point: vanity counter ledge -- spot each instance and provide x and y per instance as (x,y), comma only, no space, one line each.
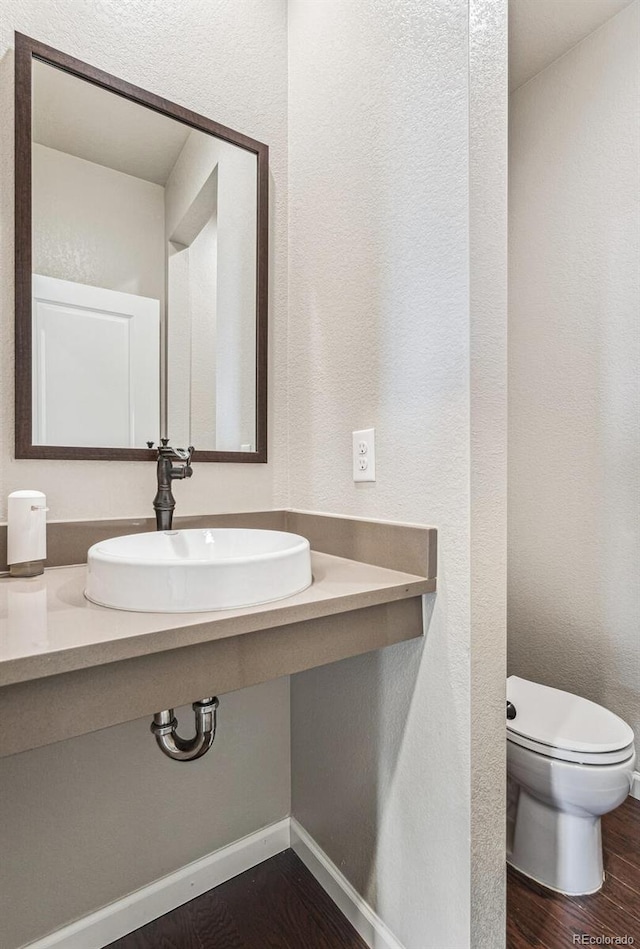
(48,628)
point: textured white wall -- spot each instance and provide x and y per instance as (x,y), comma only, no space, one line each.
(380,335)
(96,800)
(574,360)
(96,226)
(540,31)
(220,60)
(488,406)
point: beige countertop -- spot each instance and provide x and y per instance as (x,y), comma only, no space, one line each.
(47,627)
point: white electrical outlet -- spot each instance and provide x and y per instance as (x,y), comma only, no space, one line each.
(364,455)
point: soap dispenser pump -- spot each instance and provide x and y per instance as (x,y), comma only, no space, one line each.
(26,533)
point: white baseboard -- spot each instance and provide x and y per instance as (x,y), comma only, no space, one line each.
(363,919)
(141,907)
(144,905)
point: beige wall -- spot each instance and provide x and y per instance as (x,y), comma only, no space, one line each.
(88,821)
(379,287)
(574,448)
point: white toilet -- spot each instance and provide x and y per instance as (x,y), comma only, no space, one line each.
(569,761)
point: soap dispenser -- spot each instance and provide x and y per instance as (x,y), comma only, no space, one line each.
(26,533)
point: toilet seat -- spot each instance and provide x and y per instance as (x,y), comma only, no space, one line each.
(579,757)
(561,725)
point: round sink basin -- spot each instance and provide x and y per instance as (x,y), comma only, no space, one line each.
(192,570)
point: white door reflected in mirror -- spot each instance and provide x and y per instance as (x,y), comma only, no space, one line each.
(96,365)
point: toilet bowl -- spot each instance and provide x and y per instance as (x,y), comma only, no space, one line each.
(571,762)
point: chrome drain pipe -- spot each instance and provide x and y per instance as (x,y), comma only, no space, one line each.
(165,727)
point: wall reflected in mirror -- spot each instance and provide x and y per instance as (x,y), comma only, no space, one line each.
(144,236)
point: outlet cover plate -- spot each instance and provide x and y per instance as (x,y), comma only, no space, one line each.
(364,455)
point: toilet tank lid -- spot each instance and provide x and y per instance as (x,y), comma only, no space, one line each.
(563,720)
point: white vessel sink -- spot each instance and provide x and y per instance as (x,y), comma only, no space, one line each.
(192,570)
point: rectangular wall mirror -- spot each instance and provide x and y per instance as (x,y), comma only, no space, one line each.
(141,271)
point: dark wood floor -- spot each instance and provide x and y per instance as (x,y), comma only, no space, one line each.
(540,919)
(280,905)
(276,905)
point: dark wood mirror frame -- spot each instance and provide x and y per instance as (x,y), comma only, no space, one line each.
(27,49)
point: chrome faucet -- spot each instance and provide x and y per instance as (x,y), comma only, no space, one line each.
(164,501)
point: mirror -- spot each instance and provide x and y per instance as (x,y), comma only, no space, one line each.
(141,257)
